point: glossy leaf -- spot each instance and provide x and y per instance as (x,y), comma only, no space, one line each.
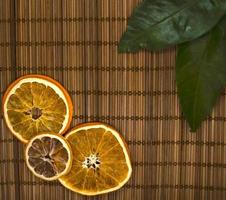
(157,24)
(201,74)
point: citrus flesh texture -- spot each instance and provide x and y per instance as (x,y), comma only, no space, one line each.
(35,106)
(100,160)
(48,157)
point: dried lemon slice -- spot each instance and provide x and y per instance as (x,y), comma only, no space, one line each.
(48,156)
(101,162)
(36,104)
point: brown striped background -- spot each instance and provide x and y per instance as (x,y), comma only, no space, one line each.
(75,42)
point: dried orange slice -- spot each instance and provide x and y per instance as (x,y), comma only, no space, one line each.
(48,156)
(101,162)
(35,104)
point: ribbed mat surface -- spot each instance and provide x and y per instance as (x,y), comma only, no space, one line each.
(75,42)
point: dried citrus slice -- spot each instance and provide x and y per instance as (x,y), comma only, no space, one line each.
(48,156)
(101,162)
(35,104)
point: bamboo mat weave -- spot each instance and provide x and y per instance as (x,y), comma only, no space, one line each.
(75,42)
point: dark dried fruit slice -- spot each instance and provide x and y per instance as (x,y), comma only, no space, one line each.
(48,156)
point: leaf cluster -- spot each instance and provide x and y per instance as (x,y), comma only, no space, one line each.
(198,27)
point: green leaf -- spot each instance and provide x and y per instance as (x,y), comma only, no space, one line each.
(201,74)
(157,24)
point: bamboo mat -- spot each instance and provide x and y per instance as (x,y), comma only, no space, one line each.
(75,42)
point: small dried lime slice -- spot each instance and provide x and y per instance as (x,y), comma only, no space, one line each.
(48,156)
